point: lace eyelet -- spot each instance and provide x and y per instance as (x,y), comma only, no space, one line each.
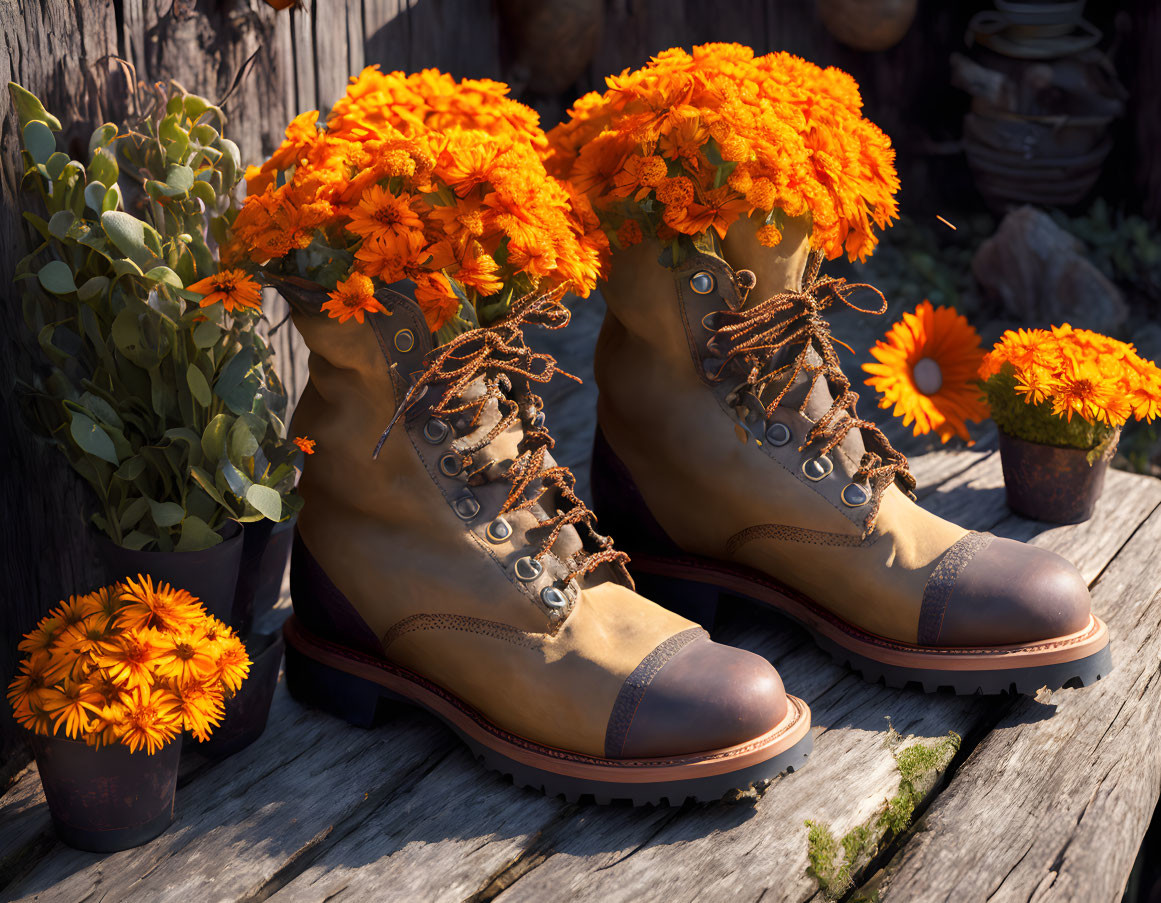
(498,531)
(702,283)
(451,465)
(466,507)
(553,598)
(404,341)
(816,469)
(528,569)
(855,496)
(778,434)
(435,431)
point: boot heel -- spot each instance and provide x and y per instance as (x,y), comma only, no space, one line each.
(358,702)
(696,601)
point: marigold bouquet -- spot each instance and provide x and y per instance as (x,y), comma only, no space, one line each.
(132,663)
(1068,387)
(424,179)
(693,141)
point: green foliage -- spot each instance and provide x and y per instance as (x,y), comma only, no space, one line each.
(833,863)
(1036,422)
(1125,248)
(171,412)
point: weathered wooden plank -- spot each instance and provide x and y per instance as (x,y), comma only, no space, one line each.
(701,856)
(707,853)
(1057,810)
(307,781)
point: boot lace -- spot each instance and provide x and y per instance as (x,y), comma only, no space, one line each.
(509,369)
(750,339)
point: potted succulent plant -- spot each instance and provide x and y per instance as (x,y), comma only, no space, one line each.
(1059,398)
(108,683)
(158,387)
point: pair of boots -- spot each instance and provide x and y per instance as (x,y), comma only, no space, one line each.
(457,569)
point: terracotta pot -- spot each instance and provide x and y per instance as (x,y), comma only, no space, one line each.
(247,712)
(1048,483)
(210,574)
(107,799)
(869,25)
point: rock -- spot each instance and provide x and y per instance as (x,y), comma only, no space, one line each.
(1039,274)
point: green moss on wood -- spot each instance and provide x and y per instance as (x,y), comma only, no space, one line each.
(833,863)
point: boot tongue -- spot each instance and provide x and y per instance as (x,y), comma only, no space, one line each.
(776,270)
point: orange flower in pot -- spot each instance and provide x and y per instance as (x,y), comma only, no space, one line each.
(109,682)
(1060,398)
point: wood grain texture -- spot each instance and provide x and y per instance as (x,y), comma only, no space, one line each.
(320,811)
(1057,812)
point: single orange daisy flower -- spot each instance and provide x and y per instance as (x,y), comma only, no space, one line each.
(353,297)
(130,658)
(148,719)
(182,656)
(161,607)
(200,707)
(927,365)
(236,290)
(382,214)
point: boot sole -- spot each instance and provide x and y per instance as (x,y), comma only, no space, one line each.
(364,691)
(696,587)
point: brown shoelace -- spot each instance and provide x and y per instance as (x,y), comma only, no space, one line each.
(751,338)
(500,355)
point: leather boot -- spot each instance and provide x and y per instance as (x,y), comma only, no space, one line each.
(457,571)
(730,455)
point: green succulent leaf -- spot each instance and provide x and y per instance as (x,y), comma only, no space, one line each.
(92,288)
(214,437)
(60,223)
(196,535)
(266,500)
(30,109)
(127,233)
(39,141)
(95,196)
(57,277)
(103,167)
(165,275)
(92,439)
(136,540)
(199,386)
(166,514)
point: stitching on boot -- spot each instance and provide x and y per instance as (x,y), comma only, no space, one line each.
(793,534)
(937,592)
(463,623)
(636,684)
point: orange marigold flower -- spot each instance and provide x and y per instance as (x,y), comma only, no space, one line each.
(353,297)
(236,290)
(478,272)
(381,214)
(761,194)
(437,299)
(769,235)
(305,445)
(675,191)
(629,234)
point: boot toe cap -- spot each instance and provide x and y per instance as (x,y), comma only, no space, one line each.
(1011,593)
(704,697)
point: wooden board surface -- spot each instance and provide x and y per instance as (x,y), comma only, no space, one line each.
(320,811)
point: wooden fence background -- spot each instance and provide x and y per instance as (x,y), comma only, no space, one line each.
(66,50)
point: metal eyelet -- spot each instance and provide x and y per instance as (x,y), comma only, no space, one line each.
(702,282)
(778,434)
(498,530)
(855,495)
(451,465)
(528,569)
(435,431)
(466,507)
(404,341)
(553,598)
(817,468)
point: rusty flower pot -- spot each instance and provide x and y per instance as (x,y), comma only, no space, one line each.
(108,799)
(1053,484)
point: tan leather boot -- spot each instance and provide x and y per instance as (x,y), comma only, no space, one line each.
(730,456)
(457,571)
